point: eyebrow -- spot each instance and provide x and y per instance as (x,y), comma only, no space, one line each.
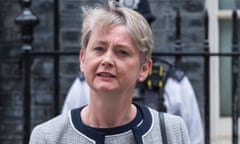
(102,42)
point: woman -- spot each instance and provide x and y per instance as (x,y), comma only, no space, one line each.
(116,50)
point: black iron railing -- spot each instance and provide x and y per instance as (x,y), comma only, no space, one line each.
(56,57)
(235,71)
(27,20)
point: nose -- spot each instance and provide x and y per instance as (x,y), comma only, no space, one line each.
(108,60)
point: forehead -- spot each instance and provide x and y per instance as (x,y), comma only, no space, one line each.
(117,36)
(119,32)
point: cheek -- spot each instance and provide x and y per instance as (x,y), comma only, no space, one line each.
(90,64)
(131,71)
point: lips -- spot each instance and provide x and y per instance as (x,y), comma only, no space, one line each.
(105,74)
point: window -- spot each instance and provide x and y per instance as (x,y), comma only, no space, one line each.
(225,30)
(229,4)
(225,45)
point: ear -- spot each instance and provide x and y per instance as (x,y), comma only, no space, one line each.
(81,60)
(145,68)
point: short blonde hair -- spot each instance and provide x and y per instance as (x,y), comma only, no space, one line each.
(103,18)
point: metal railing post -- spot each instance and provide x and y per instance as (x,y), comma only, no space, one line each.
(178,47)
(235,70)
(27,21)
(56,57)
(206,82)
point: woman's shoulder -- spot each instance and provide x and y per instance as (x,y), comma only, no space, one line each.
(175,127)
(57,120)
(169,119)
(54,126)
(167,116)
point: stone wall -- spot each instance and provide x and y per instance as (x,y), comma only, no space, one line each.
(11,83)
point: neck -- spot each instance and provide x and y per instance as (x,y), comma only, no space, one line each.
(108,115)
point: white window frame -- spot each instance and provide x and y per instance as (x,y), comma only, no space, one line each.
(221,127)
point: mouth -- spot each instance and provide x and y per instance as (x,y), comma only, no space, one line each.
(106,74)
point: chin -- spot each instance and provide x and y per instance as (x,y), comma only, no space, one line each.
(105,89)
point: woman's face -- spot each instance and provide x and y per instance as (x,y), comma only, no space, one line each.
(111,62)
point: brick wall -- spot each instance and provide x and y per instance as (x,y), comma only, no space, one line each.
(10,79)
(11,93)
